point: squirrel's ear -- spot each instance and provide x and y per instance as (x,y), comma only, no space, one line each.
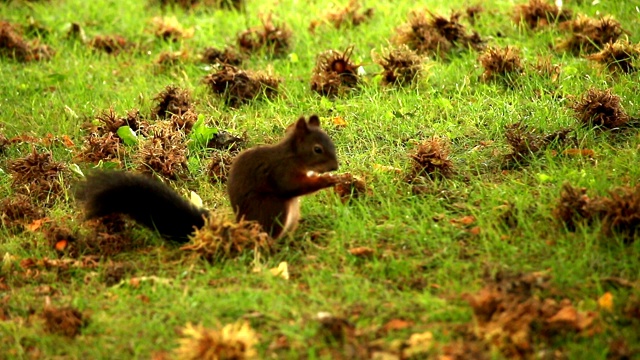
(301,126)
(314,120)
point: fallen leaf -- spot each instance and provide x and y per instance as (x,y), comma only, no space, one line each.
(476,230)
(418,343)
(397,324)
(339,122)
(61,245)
(361,251)
(465,220)
(579,152)
(36,224)
(282,270)
(67,142)
(386,168)
(605,302)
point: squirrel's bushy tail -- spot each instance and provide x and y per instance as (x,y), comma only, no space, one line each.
(147,201)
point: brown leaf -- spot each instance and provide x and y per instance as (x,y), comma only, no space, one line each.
(397,324)
(361,251)
(579,152)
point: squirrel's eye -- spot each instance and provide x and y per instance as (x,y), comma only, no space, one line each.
(318,149)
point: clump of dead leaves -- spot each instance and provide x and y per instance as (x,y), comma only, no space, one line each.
(334,73)
(501,63)
(618,56)
(18,211)
(212,55)
(525,141)
(401,66)
(511,314)
(234,341)
(350,187)
(172,100)
(236,86)
(619,212)
(169,29)
(110,44)
(350,15)
(599,108)
(430,34)
(275,39)
(221,238)
(38,176)
(539,13)
(588,34)
(13,46)
(164,152)
(431,159)
(219,166)
(66,321)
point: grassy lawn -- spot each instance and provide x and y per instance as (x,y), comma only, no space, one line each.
(470,261)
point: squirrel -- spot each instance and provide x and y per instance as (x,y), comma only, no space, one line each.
(264,185)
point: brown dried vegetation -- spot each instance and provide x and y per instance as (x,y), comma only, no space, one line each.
(276,39)
(525,141)
(436,35)
(538,13)
(228,56)
(110,122)
(511,315)
(351,187)
(192,4)
(169,29)
(38,176)
(618,56)
(350,15)
(164,153)
(111,44)
(334,73)
(170,58)
(18,211)
(220,238)
(401,66)
(237,86)
(589,34)
(501,63)
(473,12)
(619,212)
(599,108)
(101,148)
(65,321)
(431,158)
(172,100)
(223,140)
(13,46)
(234,342)
(219,167)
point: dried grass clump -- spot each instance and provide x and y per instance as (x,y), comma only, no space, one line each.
(170,58)
(221,238)
(544,67)
(350,15)
(13,46)
(235,341)
(436,35)
(65,321)
(18,211)
(525,141)
(619,212)
(164,153)
(110,122)
(618,56)
(38,176)
(501,63)
(172,100)
(224,140)
(431,158)
(589,35)
(236,86)
(473,12)
(169,29)
(334,73)
(539,13)
(351,187)
(101,148)
(111,44)
(401,66)
(4,143)
(219,167)
(228,56)
(184,122)
(599,108)
(276,39)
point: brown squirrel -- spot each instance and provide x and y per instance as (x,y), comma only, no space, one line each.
(264,185)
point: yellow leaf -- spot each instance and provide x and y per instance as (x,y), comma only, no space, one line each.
(606,301)
(282,270)
(196,199)
(339,122)
(418,344)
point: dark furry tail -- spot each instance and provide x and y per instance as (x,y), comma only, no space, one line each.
(146,200)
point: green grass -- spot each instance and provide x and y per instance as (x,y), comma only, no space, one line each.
(421,267)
